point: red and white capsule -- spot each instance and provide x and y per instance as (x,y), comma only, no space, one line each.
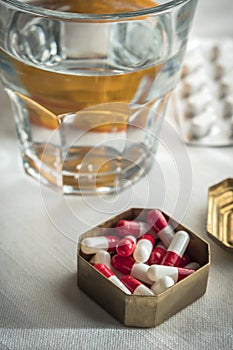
(144,248)
(155,272)
(91,245)
(162,285)
(135,286)
(105,270)
(176,249)
(128,266)
(157,254)
(184,260)
(160,225)
(134,228)
(126,246)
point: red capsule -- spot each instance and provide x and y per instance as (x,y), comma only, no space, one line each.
(185,260)
(105,270)
(155,272)
(157,254)
(156,219)
(160,225)
(123,264)
(112,242)
(149,237)
(182,272)
(134,228)
(128,266)
(176,249)
(136,287)
(126,246)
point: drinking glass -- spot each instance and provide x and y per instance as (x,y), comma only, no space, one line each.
(89,82)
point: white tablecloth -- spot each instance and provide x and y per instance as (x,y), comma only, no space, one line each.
(40,304)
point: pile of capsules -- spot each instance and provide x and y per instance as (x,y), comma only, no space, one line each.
(143,258)
(204,96)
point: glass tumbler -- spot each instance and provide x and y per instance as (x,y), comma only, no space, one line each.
(89,82)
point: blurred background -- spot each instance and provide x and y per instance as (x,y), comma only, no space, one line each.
(214,18)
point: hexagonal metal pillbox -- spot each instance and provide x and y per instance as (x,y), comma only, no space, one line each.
(144,311)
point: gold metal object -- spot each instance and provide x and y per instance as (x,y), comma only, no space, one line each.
(144,311)
(220,213)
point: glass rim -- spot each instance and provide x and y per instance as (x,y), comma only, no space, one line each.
(56,14)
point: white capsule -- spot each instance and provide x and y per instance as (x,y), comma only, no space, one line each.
(91,245)
(193,265)
(198,102)
(143,249)
(102,257)
(155,272)
(162,285)
(202,124)
(179,243)
(143,290)
(139,271)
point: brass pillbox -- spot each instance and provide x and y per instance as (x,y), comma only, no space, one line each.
(220,213)
(144,311)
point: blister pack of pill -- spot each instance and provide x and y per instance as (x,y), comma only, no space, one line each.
(203,100)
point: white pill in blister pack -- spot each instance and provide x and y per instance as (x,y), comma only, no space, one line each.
(201,124)
(197,102)
(193,82)
(203,100)
(228,106)
(223,67)
(226,86)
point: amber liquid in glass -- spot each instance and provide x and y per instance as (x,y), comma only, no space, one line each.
(50,93)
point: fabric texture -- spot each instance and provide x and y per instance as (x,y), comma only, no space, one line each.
(41,306)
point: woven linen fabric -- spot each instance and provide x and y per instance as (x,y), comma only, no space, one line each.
(41,306)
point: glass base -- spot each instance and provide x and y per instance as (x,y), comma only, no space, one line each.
(102,169)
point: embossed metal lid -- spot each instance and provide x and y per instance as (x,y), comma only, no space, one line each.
(220,213)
